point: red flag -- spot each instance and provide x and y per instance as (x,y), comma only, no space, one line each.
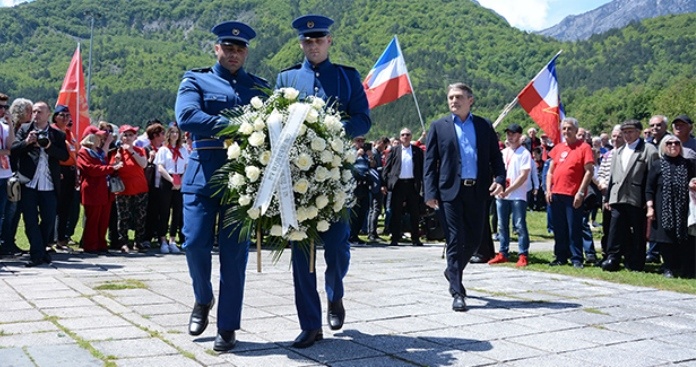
(542,101)
(72,94)
(388,80)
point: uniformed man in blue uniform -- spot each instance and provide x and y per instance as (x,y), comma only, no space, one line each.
(202,95)
(339,85)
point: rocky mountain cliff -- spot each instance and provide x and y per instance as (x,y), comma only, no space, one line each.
(615,14)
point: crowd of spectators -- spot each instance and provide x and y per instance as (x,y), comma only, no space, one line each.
(123,182)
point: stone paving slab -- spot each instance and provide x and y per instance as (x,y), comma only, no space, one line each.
(398,314)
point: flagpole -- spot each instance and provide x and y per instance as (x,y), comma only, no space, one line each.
(512,104)
(408,77)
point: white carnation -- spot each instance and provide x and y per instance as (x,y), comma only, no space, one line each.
(323,226)
(312,116)
(297,236)
(265,157)
(253,213)
(326,157)
(252,173)
(233,151)
(256,102)
(259,125)
(290,93)
(276,230)
(244,200)
(321,201)
(301,186)
(304,162)
(246,128)
(318,103)
(257,138)
(237,180)
(321,174)
(318,144)
(337,145)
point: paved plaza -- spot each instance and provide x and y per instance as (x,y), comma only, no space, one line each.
(398,314)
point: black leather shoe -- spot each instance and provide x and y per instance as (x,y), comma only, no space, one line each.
(611,264)
(199,318)
(591,259)
(476,259)
(224,341)
(458,303)
(578,265)
(557,263)
(393,243)
(307,338)
(418,243)
(652,259)
(336,314)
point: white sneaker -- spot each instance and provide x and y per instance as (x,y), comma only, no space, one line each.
(173,247)
(164,247)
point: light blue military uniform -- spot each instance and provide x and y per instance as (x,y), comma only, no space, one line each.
(341,85)
(203,94)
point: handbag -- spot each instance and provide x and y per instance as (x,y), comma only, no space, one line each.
(116,184)
(14,187)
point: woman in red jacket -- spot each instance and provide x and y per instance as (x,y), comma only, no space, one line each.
(92,161)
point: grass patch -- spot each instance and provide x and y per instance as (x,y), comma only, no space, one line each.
(212,352)
(121,284)
(594,311)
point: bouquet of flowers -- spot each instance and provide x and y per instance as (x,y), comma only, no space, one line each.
(289,169)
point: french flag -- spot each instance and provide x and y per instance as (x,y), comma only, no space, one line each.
(541,99)
(388,80)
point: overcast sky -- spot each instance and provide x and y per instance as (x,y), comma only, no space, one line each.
(529,15)
(536,15)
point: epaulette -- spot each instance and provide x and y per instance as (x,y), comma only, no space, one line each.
(345,67)
(202,70)
(292,67)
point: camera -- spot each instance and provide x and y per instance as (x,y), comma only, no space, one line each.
(367,146)
(42,138)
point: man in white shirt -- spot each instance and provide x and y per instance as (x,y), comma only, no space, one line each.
(513,200)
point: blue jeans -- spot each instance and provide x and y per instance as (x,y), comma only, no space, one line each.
(567,229)
(518,209)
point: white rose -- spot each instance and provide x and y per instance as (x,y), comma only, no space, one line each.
(259,124)
(290,93)
(337,161)
(326,157)
(301,214)
(265,157)
(311,212)
(304,162)
(257,103)
(330,121)
(237,180)
(337,145)
(233,151)
(246,128)
(297,236)
(321,174)
(351,156)
(323,226)
(337,207)
(257,138)
(318,144)
(276,230)
(318,103)
(312,116)
(335,174)
(252,173)
(275,117)
(321,201)
(301,186)
(347,175)
(253,213)
(340,197)
(244,200)
(303,130)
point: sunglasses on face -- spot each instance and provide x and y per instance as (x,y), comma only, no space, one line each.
(406,134)
(673,143)
(4,106)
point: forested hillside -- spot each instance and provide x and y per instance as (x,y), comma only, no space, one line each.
(142,47)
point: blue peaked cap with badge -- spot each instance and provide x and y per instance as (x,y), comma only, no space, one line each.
(233,33)
(312,26)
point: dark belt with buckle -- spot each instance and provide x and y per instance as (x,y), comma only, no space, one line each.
(468,182)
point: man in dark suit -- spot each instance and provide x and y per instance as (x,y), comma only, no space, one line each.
(462,156)
(403,176)
(38,148)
